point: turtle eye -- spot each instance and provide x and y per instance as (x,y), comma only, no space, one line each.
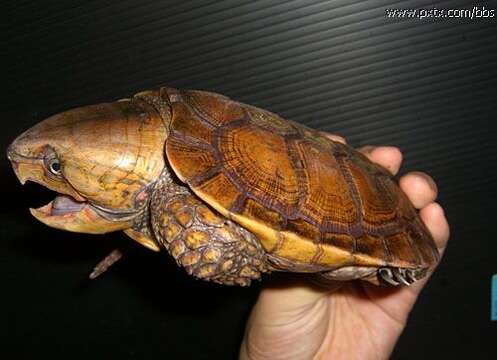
(52,163)
(55,166)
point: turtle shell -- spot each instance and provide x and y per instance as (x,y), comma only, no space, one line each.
(314,204)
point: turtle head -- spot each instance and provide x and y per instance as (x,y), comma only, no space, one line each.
(101,161)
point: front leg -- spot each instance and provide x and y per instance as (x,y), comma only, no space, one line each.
(206,244)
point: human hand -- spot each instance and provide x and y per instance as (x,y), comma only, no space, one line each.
(296,320)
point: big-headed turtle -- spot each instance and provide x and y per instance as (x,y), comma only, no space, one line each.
(228,189)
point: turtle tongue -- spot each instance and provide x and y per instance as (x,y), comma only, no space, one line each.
(64,204)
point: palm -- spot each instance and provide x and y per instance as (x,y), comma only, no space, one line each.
(365,318)
(356,321)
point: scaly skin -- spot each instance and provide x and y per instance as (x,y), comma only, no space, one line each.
(207,245)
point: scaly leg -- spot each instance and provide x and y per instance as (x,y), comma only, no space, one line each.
(206,244)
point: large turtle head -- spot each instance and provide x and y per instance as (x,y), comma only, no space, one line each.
(100,159)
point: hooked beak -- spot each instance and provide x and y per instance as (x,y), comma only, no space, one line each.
(69,210)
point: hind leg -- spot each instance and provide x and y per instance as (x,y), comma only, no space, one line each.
(207,245)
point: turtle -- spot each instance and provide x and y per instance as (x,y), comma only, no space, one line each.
(229,190)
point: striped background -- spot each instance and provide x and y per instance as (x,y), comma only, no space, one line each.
(427,86)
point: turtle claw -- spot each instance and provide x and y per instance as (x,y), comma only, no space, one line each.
(387,275)
(400,275)
(397,276)
(411,277)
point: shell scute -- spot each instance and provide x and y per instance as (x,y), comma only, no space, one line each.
(341,241)
(399,245)
(327,195)
(301,226)
(372,246)
(269,121)
(220,189)
(192,131)
(256,210)
(378,203)
(212,107)
(194,160)
(258,160)
(313,203)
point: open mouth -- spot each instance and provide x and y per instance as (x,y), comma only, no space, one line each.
(30,172)
(69,210)
(67,213)
(62,205)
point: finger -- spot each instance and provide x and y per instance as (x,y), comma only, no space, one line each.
(419,188)
(334,137)
(389,157)
(400,301)
(434,218)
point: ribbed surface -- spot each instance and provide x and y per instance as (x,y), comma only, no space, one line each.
(427,86)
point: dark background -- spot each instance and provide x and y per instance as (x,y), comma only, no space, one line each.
(427,86)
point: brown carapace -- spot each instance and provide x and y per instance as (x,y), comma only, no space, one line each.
(228,189)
